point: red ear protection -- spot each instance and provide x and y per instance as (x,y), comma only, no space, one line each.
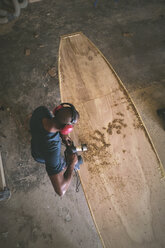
(57,108)
(68,128)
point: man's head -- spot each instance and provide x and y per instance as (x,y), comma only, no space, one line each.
(65,117)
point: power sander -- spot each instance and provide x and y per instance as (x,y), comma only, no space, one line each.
(73,149)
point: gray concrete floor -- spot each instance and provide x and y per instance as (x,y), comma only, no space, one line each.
(131,36)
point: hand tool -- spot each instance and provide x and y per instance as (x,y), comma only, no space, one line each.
(73,149)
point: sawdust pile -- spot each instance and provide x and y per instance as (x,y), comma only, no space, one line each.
(98,153)
(116,124)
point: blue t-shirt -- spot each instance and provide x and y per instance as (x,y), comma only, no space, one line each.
(45,145)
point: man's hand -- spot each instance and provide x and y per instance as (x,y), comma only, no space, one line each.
(66,140)
(72,159)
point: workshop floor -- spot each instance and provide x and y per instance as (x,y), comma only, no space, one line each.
(131,36)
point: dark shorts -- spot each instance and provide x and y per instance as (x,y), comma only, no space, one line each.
(63,161)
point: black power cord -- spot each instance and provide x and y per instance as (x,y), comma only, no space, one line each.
(78,182)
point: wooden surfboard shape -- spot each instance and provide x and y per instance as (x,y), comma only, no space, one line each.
(120,175)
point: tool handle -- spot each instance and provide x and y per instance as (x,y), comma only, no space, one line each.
(2,175)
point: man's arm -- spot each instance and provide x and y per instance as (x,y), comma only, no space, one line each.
(61,181)
(66,139)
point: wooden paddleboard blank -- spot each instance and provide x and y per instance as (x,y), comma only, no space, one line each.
(121,174)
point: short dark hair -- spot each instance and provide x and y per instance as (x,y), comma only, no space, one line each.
(64,116)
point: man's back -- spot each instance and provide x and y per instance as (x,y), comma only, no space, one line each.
(46,146)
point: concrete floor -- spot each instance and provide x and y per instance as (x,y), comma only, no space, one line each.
(131,36)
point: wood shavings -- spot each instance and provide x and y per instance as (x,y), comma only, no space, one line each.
(27,51)
(97,148)
(127,34)
(52,72)
(116,124)
(119,113)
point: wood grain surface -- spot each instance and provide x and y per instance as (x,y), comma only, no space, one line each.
(121,175)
